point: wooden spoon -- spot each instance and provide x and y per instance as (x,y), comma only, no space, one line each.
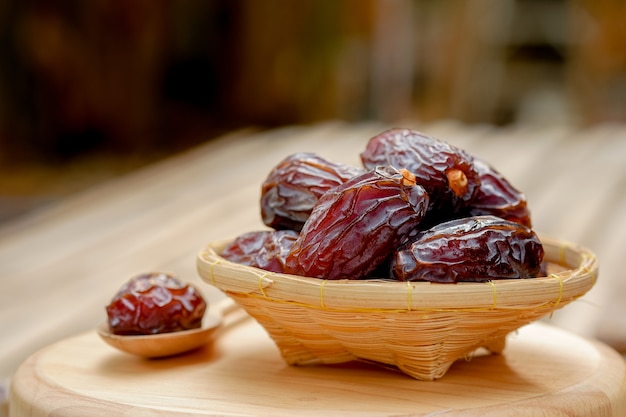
(220,315)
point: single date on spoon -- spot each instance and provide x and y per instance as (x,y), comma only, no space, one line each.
(155,303)
(156,315)
(160,345)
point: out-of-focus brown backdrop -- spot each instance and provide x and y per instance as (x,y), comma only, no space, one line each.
(93,89)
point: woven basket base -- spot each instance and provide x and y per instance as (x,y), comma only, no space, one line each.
(417,343)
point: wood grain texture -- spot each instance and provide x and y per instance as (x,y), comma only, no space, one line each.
(544,371)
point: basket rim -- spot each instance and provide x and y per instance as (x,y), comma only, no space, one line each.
(575,266)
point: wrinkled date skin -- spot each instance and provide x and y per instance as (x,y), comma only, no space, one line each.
(293,187)
(265,249)
(354,227)
(244,248)
(480,248)
(155,303)
(445,171)
(496,196)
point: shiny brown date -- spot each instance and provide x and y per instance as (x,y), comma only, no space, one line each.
(496,196)
(480,248)
(155,303)
(354,227)
(293,187)
(446,172)
(265,249)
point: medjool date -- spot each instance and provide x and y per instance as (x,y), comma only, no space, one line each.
(355,226)
(155,303)
(244,248)
(265,249)
(445,171)
(477,248)
(496,196)
(293,187)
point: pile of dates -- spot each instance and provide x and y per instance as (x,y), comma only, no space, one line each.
(418,209)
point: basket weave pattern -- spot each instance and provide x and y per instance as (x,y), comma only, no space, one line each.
(420,328)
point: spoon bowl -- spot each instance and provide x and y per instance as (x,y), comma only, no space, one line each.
(172,343)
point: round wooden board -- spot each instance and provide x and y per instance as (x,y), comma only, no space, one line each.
(544,371)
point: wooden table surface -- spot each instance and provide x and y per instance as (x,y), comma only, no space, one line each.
(59,267)
(544,372)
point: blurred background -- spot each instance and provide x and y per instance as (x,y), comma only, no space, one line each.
(94,89)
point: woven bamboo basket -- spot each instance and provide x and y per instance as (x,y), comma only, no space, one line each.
(419,328)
